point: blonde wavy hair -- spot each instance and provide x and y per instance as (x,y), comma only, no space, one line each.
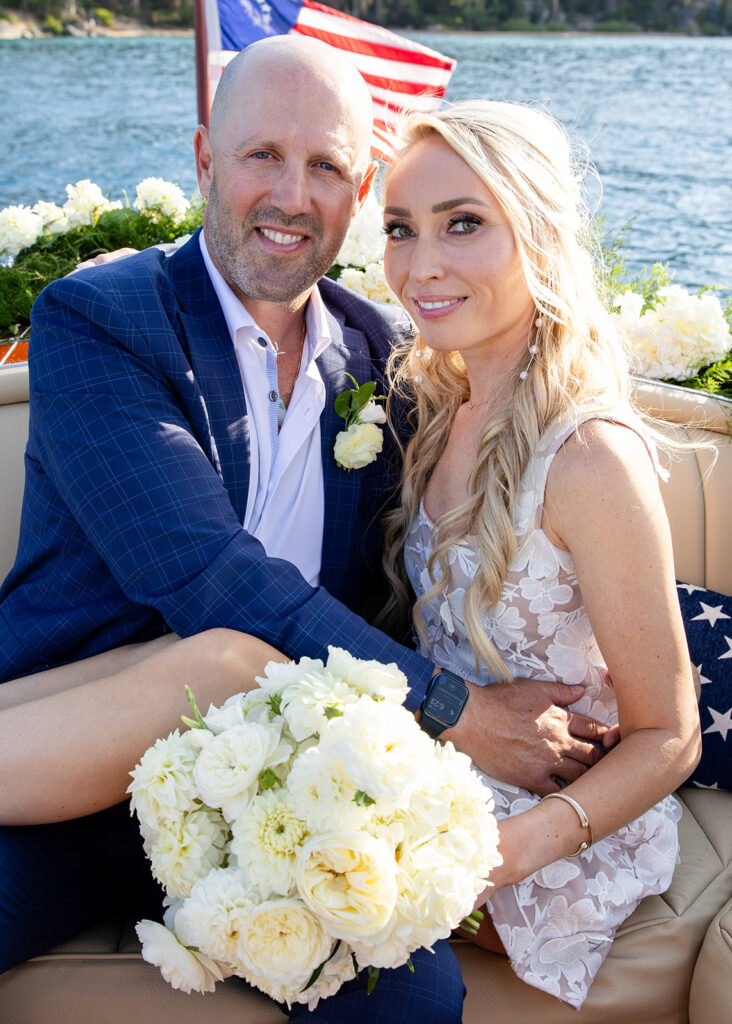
(525,159)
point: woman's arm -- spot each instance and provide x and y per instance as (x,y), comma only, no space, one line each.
(72,735)
(603,504)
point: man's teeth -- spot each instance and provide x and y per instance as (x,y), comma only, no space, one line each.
(279,238)
(436,305)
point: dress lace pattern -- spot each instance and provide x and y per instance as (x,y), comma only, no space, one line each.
(557,925)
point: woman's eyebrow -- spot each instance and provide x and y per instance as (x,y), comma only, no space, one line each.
(449,204)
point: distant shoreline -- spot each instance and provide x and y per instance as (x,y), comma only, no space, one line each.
(24,26)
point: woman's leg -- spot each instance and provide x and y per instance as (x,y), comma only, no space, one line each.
(433,994)
(69,753)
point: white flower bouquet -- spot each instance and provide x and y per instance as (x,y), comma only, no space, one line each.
(307,830)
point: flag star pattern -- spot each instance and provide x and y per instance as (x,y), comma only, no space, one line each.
(708,623)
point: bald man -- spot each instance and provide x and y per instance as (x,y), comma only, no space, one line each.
(180,469)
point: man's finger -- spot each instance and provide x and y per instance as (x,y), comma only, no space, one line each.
(570,770)
(563,695)
(611,737)
(585,728)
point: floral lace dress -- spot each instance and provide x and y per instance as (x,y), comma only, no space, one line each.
(557,925)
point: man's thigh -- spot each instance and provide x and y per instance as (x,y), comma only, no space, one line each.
(57,879)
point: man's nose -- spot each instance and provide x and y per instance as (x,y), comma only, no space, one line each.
(291,191)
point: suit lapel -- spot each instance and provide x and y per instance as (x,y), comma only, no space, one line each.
(348,353)
(215,370)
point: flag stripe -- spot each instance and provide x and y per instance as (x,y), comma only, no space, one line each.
(366,38)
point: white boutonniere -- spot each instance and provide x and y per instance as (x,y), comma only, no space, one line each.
(361,441)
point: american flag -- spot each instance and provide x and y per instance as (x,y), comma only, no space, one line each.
(401,75)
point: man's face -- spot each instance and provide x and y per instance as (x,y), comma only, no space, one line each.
(281,173)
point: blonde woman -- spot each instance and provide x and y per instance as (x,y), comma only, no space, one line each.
(531,527)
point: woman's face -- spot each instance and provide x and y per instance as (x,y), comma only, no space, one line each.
(451,256)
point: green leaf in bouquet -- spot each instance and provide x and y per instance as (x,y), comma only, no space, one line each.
(373,978)
(275,702)
(319,970)
(267,779)
(363,799)
(199,722)
(332,712)
(410,965)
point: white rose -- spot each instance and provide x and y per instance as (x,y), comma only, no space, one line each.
(155,195)
(304,704)
(227,770)
(267,838)
(53,217)
(370,677)
(358,446)
(162,786)
(354,280)
(283,941)
(85,203)
(231,713)
(349,881)
(182,968)
(184,852)
(280,674)
(386,753)
(376,286)
(372,413)
(323,792)
(212,917)
(19,228)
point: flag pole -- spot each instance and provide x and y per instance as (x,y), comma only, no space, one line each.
(203,89)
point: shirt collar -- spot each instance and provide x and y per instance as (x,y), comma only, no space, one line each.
(241,324)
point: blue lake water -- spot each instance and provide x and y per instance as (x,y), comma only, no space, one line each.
(655,113)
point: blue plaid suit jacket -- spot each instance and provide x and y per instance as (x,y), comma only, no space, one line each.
(137,470)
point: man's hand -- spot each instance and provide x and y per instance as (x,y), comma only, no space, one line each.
(523,733)
(104,257)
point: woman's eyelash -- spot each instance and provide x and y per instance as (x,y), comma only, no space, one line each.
(462,218)
(394,226)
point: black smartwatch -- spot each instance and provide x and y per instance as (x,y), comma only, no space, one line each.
(446,697)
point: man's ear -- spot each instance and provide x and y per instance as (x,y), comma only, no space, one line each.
(204,159)
(363,190)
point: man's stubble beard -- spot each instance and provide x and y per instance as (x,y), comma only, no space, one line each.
(253,274)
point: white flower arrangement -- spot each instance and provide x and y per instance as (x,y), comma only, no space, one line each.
(21,226)
(677,336)
(156,196)
(307,830)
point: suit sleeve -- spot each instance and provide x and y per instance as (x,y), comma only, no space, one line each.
(123,455)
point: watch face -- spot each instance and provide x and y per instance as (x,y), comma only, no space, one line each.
(445,701)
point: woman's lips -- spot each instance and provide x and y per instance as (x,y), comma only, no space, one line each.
(434,307)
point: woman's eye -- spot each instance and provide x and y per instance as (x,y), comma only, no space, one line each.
(397,230)
(464,224)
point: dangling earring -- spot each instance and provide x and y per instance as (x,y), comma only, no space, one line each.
(419,353)
(533,349)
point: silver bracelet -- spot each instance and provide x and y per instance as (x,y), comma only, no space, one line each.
(584,820)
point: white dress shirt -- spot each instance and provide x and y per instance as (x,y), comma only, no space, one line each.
(285,505)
